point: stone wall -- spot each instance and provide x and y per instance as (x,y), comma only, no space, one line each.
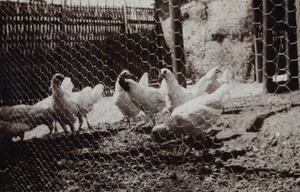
(216,33)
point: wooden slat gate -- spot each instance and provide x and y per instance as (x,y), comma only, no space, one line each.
(89,44)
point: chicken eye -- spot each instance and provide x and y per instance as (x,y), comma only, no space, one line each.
(126,74)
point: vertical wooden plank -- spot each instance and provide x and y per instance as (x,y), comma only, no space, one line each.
(286,37)
(40,45)
(257,18)
(5,32)
(297,3)
(124,39)
(58,10)
(96,21)
(46,45)
(269,53)
(159,39)
(77,26)
(64,65)
(2,28)
(266,37)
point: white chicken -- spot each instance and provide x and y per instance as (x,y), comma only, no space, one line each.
(31,115)
(207,84)
(124,103)
(193,118)
(148,99)
(214,100)
(38,115)
(11,129)
(65,109)
(177,95)
(45,107)
(227,76)
(86,98)
(10,113)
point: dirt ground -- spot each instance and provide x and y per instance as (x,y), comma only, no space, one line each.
(253,147)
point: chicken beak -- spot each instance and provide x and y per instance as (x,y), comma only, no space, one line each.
(160,77)
(60,77)
(57,79)
(130,76)
(133,77)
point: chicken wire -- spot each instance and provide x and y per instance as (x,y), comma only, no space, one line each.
(245,148)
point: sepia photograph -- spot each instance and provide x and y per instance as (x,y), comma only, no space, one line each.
(149,95)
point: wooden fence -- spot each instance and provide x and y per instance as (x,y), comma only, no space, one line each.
(89,44)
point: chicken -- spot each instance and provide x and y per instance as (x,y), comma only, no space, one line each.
(214,100)
(207,84)
(44,112)
(38,115)
(124,103)
(226,77)
(64,108)
(31,115)
(10,113)
(193,118)
(10,129)
(148,99)
(86,99)
(45,108)
(176,95)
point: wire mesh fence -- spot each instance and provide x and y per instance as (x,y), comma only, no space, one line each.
(89,43)
(276,44)
(91,97)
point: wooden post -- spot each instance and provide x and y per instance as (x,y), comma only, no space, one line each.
(287,40)
(268,52)
(257,16)
(265,31)
(297,3)
(291,40)
(177,45)
(124,38)
(159,38)
(62,65)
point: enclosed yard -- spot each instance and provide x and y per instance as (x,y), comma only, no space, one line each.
(253,147)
